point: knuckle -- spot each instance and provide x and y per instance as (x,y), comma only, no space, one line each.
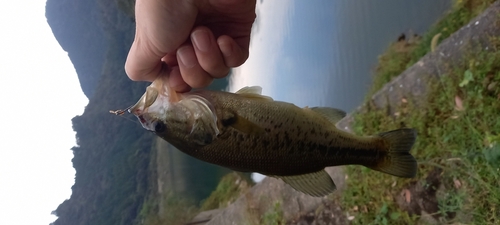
(218,72)
(214,66)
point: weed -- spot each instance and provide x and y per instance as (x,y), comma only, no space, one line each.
(383,217)
(168,209)
(227,191)
(274,216)
(461,140)
(401,55)
(458,131)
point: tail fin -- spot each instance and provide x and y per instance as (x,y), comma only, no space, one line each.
(398,161)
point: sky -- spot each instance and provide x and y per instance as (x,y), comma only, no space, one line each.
(39,93)
(266,40)
(322,53)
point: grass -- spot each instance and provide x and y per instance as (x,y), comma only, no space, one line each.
(392,62)
(458,132)
(401,55)
(273,216)
(168,209)
(463,141)
(230,187)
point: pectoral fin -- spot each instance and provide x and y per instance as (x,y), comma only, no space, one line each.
(317,184)
(242,124)
(331,114)
(253,92)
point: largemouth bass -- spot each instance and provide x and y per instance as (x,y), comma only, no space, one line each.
(246,131)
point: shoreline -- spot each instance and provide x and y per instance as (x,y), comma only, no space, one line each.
(411,84)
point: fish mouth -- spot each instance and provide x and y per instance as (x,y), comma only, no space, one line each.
(158,90)
(148,109)
(154,102)
(146,101)
(147,123)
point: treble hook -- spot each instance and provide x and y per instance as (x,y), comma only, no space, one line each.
(120,112)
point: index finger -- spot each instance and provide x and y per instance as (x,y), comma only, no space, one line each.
(141,65)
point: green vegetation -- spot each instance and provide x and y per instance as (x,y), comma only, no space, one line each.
(274,216)
(115,181)
(392,62)
(167,208)
(112,157)
(458,144)
(228,190)
(78,32)
(461,14)
(402,55)
(115,176)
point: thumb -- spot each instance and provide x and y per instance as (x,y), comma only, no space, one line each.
(161,27)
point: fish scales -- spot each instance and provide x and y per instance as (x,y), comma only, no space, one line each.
(313,143)
(248,132)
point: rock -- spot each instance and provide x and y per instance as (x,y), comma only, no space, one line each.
(251,207)
(411,85)
(205,216)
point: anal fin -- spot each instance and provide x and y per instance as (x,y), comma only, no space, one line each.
(317,184)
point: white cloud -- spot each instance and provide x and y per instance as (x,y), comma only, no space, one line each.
(267,40)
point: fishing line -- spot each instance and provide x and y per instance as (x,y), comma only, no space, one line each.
(121,112)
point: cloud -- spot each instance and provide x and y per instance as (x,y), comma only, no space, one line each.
(265,47)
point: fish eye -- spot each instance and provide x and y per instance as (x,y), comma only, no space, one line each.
(160,127)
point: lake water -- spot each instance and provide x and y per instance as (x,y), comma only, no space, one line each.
(318,53)
(323,52)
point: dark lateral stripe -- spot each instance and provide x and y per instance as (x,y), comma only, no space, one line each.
(349,155)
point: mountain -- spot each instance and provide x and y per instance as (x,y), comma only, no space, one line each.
(81,38)
(113,157)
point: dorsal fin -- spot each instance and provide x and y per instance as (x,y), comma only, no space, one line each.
(331,114)
(250,89)
(253,92)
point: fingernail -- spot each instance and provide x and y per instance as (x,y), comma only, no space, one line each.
(187,57)
(225,48)
(202,40)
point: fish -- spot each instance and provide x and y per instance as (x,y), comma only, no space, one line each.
(250,132)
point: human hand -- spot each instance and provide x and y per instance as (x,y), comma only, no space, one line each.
(199,40)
